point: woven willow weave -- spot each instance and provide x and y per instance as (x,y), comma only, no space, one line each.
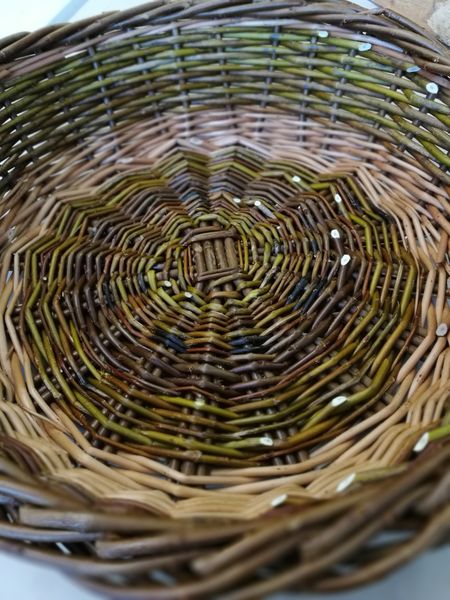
(224,283)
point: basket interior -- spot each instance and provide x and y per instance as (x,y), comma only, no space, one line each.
(224,254)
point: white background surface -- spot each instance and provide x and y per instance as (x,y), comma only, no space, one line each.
(428,578)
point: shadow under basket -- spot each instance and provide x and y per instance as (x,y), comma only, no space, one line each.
(224,284)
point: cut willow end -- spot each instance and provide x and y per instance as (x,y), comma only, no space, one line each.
(432,88)
(345,483)
(279,500)
(338,400)
(266,441)
(442,329)
(422,443)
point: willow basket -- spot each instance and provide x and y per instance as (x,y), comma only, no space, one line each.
(224,348)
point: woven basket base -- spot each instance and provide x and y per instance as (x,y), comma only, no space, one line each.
(245,288)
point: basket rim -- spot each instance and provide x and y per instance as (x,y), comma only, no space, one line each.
(342,13)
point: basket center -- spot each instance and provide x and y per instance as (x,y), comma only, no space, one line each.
(212,251)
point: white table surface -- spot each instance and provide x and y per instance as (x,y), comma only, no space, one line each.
(428,578)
